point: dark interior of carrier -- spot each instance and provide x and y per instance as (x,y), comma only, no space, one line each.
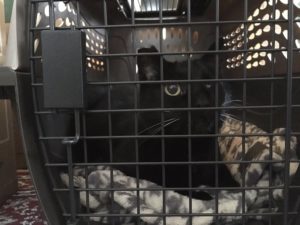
(252,45)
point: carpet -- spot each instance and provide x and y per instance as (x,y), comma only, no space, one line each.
(23,207)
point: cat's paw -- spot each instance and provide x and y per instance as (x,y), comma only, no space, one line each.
(65,179)
(89,200)
(78,181)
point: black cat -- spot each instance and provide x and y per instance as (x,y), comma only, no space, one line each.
(176,96)
(168,105)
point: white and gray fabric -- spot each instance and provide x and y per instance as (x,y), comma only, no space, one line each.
(150,201)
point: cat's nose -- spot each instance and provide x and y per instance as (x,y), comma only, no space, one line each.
(202,101)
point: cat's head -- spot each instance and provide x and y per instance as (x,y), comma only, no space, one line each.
(172,87)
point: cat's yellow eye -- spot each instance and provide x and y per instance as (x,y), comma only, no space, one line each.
(173,90)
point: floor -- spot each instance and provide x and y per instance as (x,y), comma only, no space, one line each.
(23,207)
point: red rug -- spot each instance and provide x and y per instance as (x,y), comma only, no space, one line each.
(22,208)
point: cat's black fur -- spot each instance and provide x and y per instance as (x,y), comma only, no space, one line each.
(149,97)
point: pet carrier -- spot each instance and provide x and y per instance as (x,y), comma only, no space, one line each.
(163,111)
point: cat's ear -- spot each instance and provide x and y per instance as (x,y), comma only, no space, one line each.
(208,61)
(148,65)
(210,57)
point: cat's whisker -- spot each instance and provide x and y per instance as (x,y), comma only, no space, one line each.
(164,125)
(156,131)
(227,115)
(222,119)
(234,100)
(226,103)
(155,125)
(159,125)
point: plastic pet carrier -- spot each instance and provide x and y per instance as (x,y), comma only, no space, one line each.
(163,112)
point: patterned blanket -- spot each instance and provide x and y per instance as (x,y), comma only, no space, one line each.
(249,164)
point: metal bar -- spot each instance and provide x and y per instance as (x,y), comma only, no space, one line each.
(87,193)
(161,136)
(187,109)
(77,14)
(189,94)
(182,214)
(84,131)
(69,142)
(108,77)
(173,189)
(174,53)
(162,102)
(289,94)
(244,97)
(41,113)
(217,62)
(136,124)
(190,52)
(38,85)
(271,115)
(52,15)
(169,24)
(72,219)
(169,163)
